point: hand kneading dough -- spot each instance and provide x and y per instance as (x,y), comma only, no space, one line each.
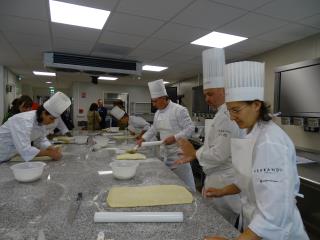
(18,158)
(148,196)
(131,156)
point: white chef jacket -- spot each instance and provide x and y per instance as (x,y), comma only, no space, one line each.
(215,154)
(138,124)
(58,123)
(275,184)
(181,122)
(18,132)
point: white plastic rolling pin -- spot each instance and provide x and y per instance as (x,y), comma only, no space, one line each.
(138,217)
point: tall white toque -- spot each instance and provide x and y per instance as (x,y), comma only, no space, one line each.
(57,104)
(244,81)
(213,64)
(157,89)
(117,112)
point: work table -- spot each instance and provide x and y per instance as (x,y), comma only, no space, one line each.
(41,209)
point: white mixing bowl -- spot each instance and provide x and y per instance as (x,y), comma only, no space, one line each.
(124,170)
(27,171)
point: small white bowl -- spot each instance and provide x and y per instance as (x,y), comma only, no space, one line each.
(27,171)
(124,170)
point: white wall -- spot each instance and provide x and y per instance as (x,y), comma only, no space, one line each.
(94,92)
(305,49)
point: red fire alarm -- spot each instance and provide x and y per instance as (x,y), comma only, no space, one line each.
(80,110)
(83,95)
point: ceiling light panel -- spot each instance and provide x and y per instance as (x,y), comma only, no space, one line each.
(218,40)
(107,78)
(153,68)
(48,74)
(77,15)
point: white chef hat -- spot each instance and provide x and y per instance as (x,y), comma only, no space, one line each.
(57,104)
(117,112)
(244,81)
(213,63)
(157,89)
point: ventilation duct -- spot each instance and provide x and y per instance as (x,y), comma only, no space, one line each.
(91,65)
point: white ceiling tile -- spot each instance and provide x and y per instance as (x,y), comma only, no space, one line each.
(108,5)
(72,46)
(191,49)
(159,44)
(74,33)
(253,46)
(28,39)
(120,39)
(232,56)
(244,4)
(124,23)
(31,52)
(288,33)
(146,55)
(291,9)
(24,25)
(207,15)
(313,21)
(163,10)
(173,58)
(251,25)
(5,47)
(180,33)
(108,50)
(36,9)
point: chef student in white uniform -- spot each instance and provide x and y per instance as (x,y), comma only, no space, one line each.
(20,130)
(173,122)
(136,125)
(264,161)
(215,154)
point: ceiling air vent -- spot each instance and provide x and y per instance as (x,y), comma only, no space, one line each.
(60,61)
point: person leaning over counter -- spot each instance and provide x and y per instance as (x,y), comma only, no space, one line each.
(264,161)
(20,130)
(19,105)
(173,122)
(215,154)
(136,125)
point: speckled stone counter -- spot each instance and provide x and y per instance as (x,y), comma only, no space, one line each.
(42,209)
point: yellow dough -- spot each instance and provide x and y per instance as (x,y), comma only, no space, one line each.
(63,139)
(18,158)
(131,156)
(148,196)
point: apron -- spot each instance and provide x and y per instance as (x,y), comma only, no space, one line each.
(170,153)
(241,152)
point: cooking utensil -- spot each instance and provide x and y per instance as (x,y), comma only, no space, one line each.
(73,210)
(138,217)
(144,144)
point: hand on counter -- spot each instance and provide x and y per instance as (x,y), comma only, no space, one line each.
(212,192)
(188,152)
(169,140)
(54,153)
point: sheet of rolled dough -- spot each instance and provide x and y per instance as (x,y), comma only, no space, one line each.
(148,196)
(131,156)
(18,158)
(63,139)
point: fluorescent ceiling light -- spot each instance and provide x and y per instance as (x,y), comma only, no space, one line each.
(51,87)
(153,68)
(77,15)
(49,82)
(50,74)
(107,78)
(104,172)
(165,82)
(218,40)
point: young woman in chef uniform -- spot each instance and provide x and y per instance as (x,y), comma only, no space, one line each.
(19,131)
(264,161)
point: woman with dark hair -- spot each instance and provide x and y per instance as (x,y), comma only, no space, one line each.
(94,118)
(264,162)
(19,105)
(19,131)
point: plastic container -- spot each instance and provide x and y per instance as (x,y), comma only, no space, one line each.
(28,171)
(124,170)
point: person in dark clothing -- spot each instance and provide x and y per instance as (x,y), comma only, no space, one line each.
(103,113)
(19,105)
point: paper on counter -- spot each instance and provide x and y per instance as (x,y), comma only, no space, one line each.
(138,217)
(302,160)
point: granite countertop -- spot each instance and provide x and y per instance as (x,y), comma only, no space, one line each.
(41,209)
